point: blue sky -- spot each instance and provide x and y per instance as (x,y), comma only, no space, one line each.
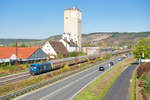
(40,19)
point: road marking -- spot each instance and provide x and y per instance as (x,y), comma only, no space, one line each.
(90,82)
(57,82)
(67,85)
(94,79)
(19,97)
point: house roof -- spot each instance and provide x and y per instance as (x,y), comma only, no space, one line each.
(7,52)
(59,47)
(71,43)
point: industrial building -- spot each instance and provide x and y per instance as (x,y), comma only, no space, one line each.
(72,25)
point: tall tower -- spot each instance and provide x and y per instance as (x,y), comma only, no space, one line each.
(72,25)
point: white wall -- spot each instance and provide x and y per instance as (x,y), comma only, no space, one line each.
(72,25)
(66,36)
(47,48)
(69,48)
(72,49)
(65,44)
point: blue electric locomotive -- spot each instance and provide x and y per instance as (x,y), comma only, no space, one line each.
(40,68)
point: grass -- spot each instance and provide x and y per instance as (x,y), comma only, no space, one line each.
(132,87)
(8,69)
(98,89)
(11,87)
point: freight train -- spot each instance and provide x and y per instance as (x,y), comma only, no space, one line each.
(59,63)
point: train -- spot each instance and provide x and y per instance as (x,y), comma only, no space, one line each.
(39,68)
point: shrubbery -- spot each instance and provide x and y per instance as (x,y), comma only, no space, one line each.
(8,68)
(73,54)
(143,69)
(107,56)
(143,73)
(66,68)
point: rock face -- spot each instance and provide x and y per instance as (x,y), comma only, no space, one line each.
(95,37)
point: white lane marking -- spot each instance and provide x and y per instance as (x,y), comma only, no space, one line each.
(86,86)
(67,85)
(57,82)
(92,81)
(18,98)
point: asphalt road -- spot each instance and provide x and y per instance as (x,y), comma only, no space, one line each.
(68,87)
(120,89)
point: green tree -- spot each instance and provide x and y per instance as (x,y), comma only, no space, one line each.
(142,49)
(107,56)
(59,56)
(23,45)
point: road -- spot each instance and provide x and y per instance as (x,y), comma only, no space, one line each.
(65,89)
(120,89)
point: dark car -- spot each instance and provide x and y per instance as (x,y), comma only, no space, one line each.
(101,68)
(111,63)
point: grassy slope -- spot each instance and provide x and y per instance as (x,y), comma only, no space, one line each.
(132,87)
(98,89)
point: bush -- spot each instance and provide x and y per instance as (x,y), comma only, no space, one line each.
(13,68)
(98,59)
(147,84)
(143,68)
(60,56)
(25,66)
(107,56)
(66,68)
(89,61)
(73,54)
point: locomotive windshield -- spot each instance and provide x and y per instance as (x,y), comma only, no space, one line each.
(33,66)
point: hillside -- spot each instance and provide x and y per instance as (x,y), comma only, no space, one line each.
(119,39)
(9,42)
(91,39)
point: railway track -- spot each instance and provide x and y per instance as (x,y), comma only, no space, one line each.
(25,75)
(13,78)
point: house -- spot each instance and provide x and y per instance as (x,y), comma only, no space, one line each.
(68,43)
(13,53)
(54,48)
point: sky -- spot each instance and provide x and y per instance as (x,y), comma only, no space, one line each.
(39,19)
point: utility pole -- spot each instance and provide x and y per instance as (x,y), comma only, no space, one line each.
(16,52)
(76,60)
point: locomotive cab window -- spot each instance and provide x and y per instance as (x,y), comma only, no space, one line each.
(33,66)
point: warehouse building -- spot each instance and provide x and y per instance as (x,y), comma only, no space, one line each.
(12,53)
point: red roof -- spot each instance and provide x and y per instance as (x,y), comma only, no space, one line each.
(7,52)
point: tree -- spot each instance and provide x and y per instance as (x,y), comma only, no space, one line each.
(23,45)
(142,49)
(103,44)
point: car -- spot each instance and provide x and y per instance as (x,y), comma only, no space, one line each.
(101,68)
(111,63)
(119,59)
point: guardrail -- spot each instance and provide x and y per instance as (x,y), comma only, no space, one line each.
(36,86)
